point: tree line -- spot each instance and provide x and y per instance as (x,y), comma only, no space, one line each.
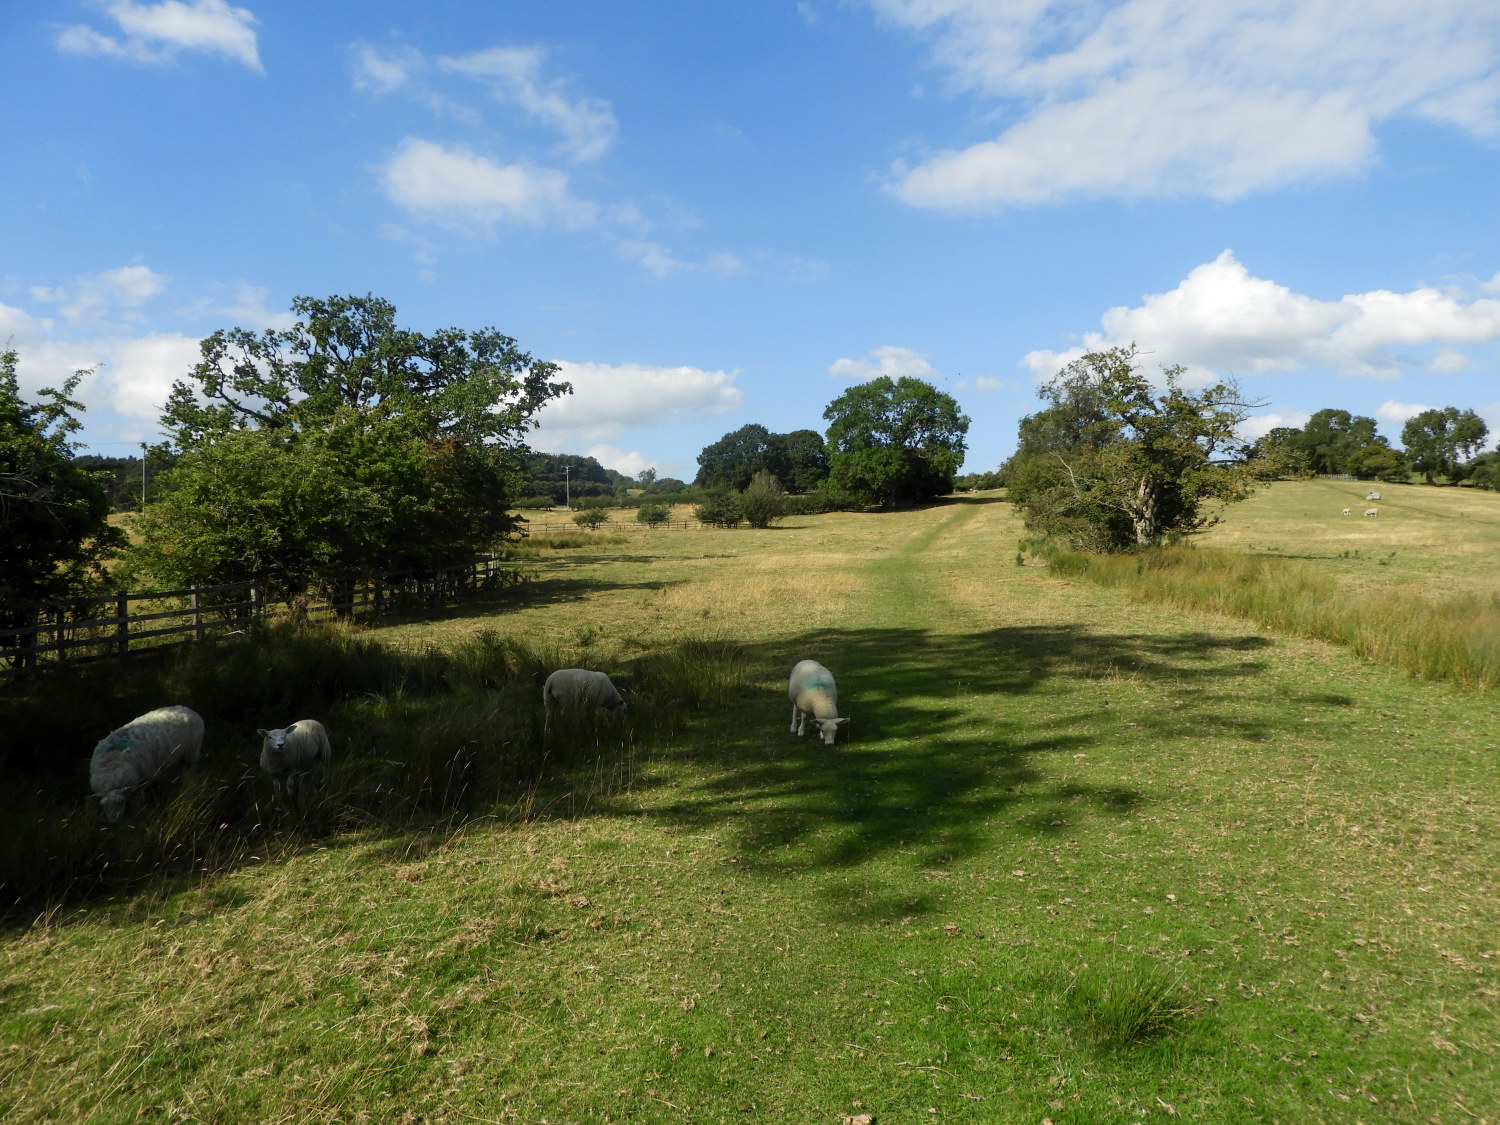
(349,444)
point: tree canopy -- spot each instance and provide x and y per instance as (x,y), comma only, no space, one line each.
(1438,440)
(1113,463)
(798,459)
(54,526)
(344,443)
(894,441)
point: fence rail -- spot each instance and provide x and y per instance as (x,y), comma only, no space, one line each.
(74,630)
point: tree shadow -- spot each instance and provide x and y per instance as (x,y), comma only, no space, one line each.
(935,764)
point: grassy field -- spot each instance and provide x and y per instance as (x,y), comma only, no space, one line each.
(1077,861)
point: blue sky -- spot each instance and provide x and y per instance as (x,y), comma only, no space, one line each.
(713,214)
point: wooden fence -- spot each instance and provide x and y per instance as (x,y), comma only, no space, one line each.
(46,634)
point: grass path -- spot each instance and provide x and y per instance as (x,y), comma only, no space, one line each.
(1055,812)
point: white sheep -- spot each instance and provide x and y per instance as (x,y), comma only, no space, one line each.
(813,692)
(568,687)
(1346,512)
(290,751)
(134,756)
(1373,496)
(1372,511)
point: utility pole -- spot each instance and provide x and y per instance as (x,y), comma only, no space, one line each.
(143,476)
(568,486)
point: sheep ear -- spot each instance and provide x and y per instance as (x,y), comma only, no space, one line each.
(262,733)
(845,719)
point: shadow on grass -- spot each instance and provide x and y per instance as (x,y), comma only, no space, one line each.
(935,764)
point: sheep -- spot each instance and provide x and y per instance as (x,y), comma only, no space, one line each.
(813,692)
(571,686)
(1372,511)
(290,751)
(135,755)
(1346,512)
(1373,496)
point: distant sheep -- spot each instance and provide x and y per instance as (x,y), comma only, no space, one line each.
(288,753)
(569,687)
(1347,512)
(813,693)
(131,758)
(1373,496)
(1372,511)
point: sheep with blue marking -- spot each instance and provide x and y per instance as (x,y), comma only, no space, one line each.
(814,695)
(131,758)
(571,687)
(289,752)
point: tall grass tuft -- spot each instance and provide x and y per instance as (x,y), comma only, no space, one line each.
(1456,638)
(1123,1006)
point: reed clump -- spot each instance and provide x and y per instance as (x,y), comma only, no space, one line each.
(1454,638)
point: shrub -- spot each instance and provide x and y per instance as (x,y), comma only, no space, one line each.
(653,514)
(764,502)
(720,508)
(591,518)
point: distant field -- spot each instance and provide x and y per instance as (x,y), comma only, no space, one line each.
(1443,540)
(1078,861)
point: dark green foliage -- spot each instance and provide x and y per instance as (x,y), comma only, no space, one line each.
(54,529)
(653,515)
(1113,463)
(1484,472)
(798,459)
(894,442)
(567,477)
(764,501)
(1438,440)
(123,478)
(1378,461)
(591,518)
(342,444)
(1331,438)
(720,507)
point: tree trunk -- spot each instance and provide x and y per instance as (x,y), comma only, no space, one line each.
(1143,513)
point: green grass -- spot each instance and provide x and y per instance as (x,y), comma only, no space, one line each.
(1075,861)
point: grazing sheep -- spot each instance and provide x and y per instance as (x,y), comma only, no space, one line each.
(288,753)
(813,692)
(1372,511)
(569,687)
(1373,496)
(134,756)
(1346,512)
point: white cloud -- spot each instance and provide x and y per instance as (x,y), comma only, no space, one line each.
(659,262)
(1259,425)
(462,188)
(892,361)
(608,399)
(157,33)
(631,463)
(1222,320)
(119,291)
(513,76)
(137,374)
(1158,98)
(1392,411)
(379,71)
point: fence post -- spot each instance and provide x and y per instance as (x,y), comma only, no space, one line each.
(122,623)
(197,615)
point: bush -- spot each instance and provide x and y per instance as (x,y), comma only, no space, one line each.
(653,514)
(764,502)
(591,518)
(720,508)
